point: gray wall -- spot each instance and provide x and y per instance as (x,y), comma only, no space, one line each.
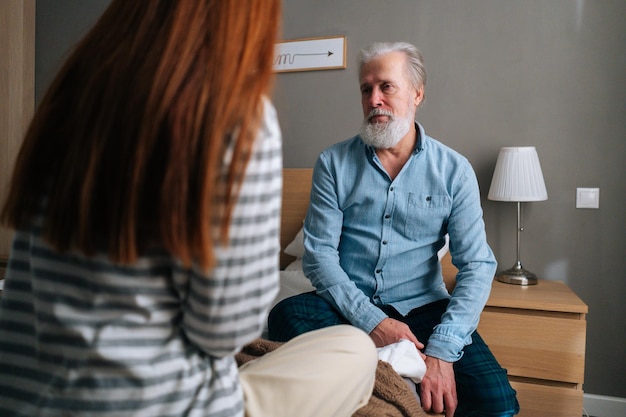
(59,25)
(550,74)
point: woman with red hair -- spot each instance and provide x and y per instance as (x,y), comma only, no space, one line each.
(146,202)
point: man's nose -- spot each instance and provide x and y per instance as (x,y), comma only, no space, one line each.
(375,99)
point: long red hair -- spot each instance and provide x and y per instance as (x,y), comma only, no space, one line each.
(128,144)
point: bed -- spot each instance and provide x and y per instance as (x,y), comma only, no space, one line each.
(393,395)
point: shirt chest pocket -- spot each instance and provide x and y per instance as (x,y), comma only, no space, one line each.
(425,214)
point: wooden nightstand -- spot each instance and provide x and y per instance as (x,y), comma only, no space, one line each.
(538,334)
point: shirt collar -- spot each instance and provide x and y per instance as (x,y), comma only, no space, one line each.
(419,143)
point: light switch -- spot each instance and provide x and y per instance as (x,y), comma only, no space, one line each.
(588,198)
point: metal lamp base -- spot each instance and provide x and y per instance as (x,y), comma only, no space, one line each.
(518,276)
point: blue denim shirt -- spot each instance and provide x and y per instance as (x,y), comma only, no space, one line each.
(372,241)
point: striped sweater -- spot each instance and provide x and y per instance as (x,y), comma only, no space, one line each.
(80,336)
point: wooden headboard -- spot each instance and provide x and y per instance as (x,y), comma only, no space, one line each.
(296,192)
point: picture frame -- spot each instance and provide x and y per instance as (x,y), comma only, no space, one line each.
(310,54)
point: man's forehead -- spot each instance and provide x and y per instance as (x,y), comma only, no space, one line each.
(388,67)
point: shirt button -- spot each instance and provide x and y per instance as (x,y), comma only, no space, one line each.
(384,242)
(391,189)
(378,271)
(387,216)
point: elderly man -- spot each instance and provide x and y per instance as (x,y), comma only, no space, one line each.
(381,205)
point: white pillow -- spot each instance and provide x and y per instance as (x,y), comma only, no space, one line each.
(295,265)
(296,247)
(442,252)
(292,282)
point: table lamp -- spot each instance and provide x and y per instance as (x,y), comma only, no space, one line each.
(517,178)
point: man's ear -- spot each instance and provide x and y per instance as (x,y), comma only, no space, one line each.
(419,96)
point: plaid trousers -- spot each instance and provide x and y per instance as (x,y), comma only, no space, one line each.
(483,389)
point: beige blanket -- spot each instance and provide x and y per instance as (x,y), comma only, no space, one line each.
(391,396)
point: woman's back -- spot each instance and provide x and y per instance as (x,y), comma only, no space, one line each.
(82,335)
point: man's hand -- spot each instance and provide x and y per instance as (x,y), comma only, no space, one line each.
(438,387)
(391,331)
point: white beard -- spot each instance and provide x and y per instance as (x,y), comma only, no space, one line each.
(384,135)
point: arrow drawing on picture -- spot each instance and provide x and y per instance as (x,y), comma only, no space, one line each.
(291,58)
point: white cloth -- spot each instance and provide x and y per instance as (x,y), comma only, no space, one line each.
(404,359)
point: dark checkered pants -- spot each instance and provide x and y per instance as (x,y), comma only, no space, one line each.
(483,389)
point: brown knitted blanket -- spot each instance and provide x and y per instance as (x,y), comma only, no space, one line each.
(391,396)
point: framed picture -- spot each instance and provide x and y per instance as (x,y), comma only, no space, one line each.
(310,54)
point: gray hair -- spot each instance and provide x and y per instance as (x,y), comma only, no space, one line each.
(415,67)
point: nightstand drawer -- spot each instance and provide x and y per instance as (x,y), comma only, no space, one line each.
(547,401)
(535,346)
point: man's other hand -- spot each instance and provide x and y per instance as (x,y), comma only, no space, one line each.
(438,387)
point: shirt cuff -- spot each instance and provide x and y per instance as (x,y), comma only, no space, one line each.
(368,318)
(444,347)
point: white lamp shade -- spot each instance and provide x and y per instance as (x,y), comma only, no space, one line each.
(518,176)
